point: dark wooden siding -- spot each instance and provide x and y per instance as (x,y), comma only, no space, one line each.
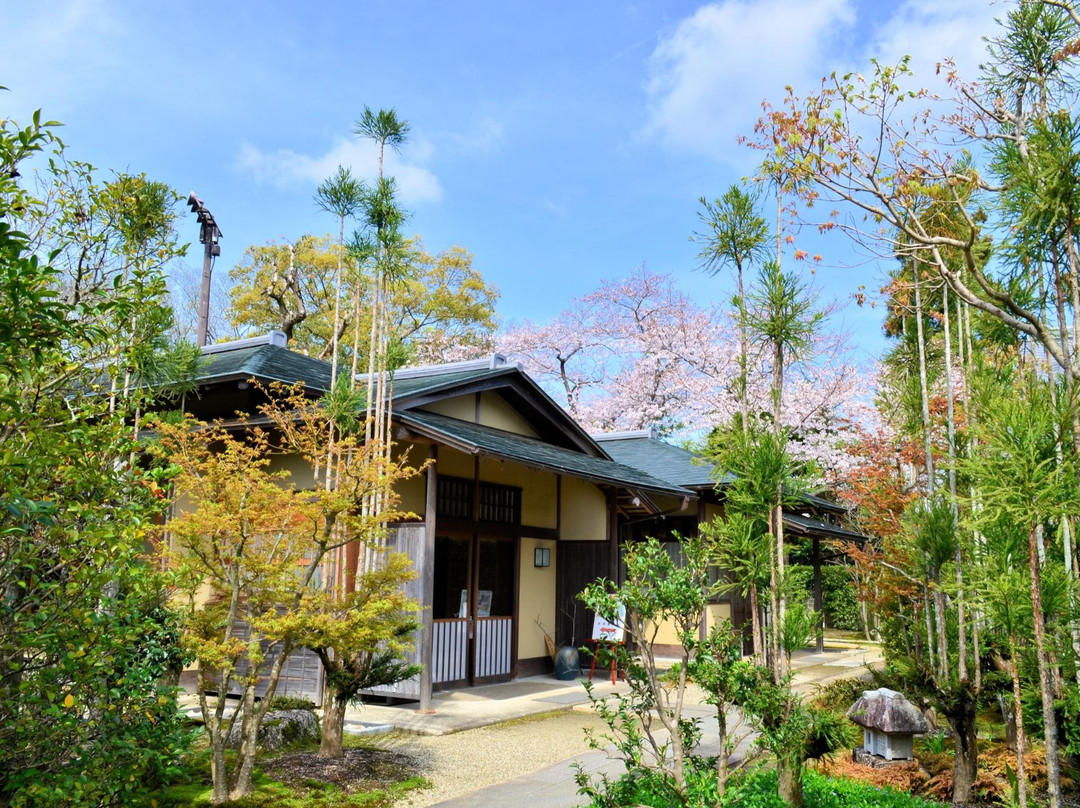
(578,564)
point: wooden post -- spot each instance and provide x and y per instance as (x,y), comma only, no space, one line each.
(817,595)
(426,639)
(613,536)
(703,627)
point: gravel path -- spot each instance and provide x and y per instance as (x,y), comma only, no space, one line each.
(462,762)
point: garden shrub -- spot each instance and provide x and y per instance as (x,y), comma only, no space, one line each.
(839,599)
(757,789)
(290,703)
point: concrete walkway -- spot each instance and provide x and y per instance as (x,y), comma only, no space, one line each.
(554,786)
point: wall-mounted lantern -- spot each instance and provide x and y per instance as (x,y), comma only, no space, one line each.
(542,557)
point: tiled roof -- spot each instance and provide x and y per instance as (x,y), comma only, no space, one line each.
(680,466)
(533,452)
(660,459)
(808,525)
(268,363)
(273,363)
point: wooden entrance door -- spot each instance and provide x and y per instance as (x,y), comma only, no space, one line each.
(473,610)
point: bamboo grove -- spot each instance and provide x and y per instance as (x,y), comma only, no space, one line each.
(971,477)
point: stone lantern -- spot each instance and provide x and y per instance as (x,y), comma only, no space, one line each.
(889,723)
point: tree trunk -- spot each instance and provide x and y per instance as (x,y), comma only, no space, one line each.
(961,622)
(219,793)
(923,383)
(928,611)
(774,606)
(241,781)
(333,724)
(943,638)
(755,626)
(744,353)
(1018,713)
(721,756)
(1053,771)
(789,781)
(966,745)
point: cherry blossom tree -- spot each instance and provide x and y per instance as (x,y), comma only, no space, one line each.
(638,352)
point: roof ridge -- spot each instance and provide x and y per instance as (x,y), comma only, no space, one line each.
(493,362)
(651,433)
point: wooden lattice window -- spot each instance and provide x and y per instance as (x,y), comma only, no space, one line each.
(454,500)
(498,503)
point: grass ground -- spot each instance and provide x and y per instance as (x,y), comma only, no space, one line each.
(366,777)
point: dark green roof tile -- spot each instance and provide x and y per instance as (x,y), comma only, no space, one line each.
(268,363)
(533,452)
(660,459)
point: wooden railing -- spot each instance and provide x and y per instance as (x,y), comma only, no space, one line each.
(494,636)
(450,650)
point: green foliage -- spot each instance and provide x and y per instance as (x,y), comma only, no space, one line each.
(438,301)
(86,638)
(736,234)
(782,311)
(936,743)
(385,788)
(839,595)
(656,742)
(838,694)
(758,790)
(291,703)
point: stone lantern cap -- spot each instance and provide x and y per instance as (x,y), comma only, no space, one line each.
(887,711)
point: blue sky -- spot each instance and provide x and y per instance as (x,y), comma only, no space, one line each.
(561,143)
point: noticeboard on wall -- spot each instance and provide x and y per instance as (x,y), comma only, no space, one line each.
(610,631)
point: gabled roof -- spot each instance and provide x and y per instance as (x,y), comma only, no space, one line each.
(479,439)
(413,388)
(267,363)
(643,450)
(264,359)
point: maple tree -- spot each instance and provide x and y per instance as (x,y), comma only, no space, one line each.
(251,549)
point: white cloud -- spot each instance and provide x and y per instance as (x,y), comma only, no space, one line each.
(286,168)
(707,79)
(931,30)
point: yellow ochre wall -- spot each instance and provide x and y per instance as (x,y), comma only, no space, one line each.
(584,511)
(413,491)
(461,407)
(301,475)
(714,613)
(494,412)
(536,599)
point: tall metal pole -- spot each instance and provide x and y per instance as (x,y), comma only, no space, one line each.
(209,233)
(204,295)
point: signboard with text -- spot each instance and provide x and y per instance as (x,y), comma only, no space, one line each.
(608,631)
